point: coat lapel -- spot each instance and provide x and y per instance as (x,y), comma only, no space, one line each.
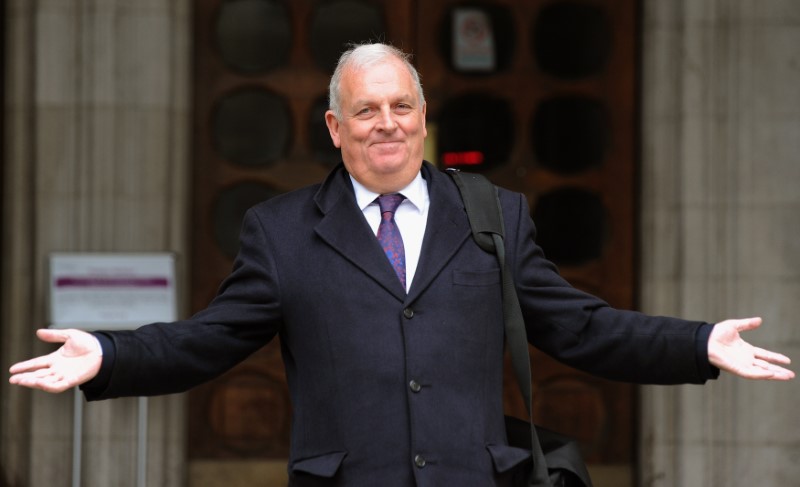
(345,229)
(446,231)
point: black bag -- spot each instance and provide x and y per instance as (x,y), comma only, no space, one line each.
(565,467)
(555,459)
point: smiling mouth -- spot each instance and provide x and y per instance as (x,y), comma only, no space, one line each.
(387,145)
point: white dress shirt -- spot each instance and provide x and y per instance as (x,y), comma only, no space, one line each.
(411,218)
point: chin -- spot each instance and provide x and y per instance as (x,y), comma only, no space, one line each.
(390,164)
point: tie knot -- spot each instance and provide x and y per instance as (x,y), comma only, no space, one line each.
(390,202)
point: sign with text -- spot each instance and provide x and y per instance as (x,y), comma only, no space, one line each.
(111,290)
(473,40)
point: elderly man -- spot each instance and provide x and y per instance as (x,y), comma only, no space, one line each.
(394,364)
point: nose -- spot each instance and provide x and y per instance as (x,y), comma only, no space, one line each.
(386,122)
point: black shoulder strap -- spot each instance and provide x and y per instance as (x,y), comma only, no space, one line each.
(483,208)
(486,219)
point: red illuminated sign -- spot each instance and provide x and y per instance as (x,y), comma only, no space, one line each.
(466,158)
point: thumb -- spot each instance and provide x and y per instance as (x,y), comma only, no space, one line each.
(53,336)
(746,324)
(743,324)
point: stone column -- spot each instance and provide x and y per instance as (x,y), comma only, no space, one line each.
(97,124)
(721,231)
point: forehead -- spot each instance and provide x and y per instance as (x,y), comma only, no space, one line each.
(385,78)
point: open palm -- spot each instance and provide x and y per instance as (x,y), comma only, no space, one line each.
(728,351)
(75,362)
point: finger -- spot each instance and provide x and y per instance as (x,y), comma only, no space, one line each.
(43,374)
(30,365)
(49,384)
(34,375)
(777,372)
(52,336)
(769,356)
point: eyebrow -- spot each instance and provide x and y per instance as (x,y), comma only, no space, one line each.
(403,98)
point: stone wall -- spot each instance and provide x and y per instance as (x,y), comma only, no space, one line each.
(97,124)
(720,228)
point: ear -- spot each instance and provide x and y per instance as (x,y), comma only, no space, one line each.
(424,116)
(333,128)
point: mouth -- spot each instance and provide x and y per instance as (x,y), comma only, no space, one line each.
(387,145)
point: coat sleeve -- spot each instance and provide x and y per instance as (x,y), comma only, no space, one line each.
(584,332)
(163,358)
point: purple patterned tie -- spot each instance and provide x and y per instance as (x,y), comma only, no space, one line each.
(389,235)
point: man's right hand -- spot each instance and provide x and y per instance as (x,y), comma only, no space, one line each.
(77,361)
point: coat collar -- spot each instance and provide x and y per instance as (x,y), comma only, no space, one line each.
(344,228)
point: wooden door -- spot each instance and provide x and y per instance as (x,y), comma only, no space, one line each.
(547,107)
(548,110)
(261,76)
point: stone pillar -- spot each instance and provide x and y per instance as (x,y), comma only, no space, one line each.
(720,228)
(97,124)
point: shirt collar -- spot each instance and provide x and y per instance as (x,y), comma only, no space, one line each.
(416,193)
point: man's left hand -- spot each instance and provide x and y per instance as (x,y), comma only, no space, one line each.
(728,351)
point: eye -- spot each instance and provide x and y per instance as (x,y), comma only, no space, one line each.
(364,112)
(403,108)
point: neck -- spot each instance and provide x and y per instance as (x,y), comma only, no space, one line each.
(386,185)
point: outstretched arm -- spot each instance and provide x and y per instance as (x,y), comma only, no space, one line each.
(728,351)
(75,362)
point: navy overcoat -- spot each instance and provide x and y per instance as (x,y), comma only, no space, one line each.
(388,388)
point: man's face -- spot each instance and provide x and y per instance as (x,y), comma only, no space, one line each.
(382,128)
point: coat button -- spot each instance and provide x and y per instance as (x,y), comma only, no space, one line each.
(408,313)
(414,386)
(419,461)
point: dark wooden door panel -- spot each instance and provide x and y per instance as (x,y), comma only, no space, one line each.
(564,81)
(258,123)
(554,118)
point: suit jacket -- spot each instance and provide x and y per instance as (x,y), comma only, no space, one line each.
(389,388)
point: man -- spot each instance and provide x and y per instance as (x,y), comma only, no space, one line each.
(394,365)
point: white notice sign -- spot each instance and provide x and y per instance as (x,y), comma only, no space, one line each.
(473,40)
(111,290)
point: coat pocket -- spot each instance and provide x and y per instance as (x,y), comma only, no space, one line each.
(506,457)
(325,465)
(490,277)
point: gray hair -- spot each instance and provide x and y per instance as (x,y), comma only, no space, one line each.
(359,56)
